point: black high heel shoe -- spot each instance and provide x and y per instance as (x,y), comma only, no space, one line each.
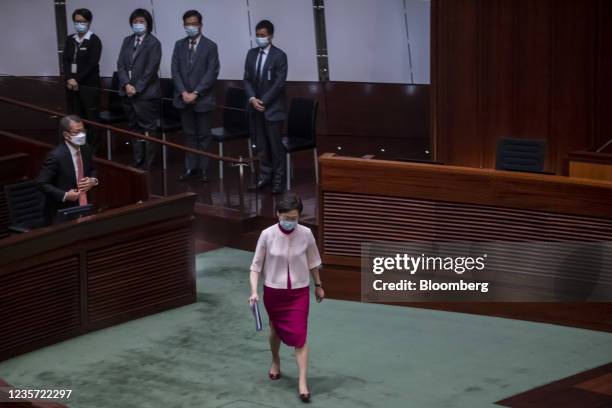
(274,376)
(305,397)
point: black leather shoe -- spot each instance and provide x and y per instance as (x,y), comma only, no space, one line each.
(188,175)
(262,183)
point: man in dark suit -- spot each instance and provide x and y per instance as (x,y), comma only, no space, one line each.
(139,84)
(68,173)
(195,68)
(265,73)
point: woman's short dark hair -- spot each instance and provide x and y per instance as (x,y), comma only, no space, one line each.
(289,202)
(144,14)
(83,12)
(192,13)
(267,24)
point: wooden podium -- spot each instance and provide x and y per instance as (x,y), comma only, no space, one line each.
(590,165)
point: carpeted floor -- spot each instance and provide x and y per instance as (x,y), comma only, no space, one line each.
(363,355)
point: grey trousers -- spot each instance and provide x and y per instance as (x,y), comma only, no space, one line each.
(270,149)
(196,134)
(143,116)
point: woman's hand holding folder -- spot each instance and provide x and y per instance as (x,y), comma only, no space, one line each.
(256,315)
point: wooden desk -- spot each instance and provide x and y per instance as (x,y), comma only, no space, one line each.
(66,280)
(365,200)
(590,165)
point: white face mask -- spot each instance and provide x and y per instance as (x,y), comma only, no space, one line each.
(288,225)
(139,28)
(262,42)
(81,28)
(79,139)
(192,31)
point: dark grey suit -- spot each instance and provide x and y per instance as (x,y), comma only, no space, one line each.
(139,68)
(195,72)
(267,126)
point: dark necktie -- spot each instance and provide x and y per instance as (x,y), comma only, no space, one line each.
(192,46)
(258,69)
(136,45)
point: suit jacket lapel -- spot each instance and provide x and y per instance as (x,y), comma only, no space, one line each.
(86,157)
(264,70)
(67,161)
(198,53)
(140,47)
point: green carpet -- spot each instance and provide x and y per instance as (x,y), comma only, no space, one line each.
(363,355)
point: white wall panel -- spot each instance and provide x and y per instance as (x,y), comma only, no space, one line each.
(419,30)
(367,40)
(294,33)
(24,51)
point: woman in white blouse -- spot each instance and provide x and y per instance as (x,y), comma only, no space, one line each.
(287,255)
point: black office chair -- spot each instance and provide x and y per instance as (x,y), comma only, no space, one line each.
(301,132)
(26,206)
(170,118)
(235,122)
(521,155)
(4,216)
(114,114)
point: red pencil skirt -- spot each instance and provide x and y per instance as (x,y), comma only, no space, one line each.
(288,313)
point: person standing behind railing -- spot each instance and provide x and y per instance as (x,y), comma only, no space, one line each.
(139,84)
(195,68)
(265,74)
(81,65)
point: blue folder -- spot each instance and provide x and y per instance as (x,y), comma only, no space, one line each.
(256,316)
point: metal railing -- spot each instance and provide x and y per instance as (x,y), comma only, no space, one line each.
(240,162)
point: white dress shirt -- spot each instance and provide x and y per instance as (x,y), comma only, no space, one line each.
(264,57)
(197,41)
(73,153)
(79,40)
(142,37)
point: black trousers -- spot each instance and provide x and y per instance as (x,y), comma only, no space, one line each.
(143,117)
(197,135)
(86,103)
(270,149)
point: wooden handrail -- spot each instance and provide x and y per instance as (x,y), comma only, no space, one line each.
(130,133)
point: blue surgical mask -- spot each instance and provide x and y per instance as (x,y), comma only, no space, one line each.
(81,28)
(288,225)
(139,28)
(79,139)
(262,42)
(192,31)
